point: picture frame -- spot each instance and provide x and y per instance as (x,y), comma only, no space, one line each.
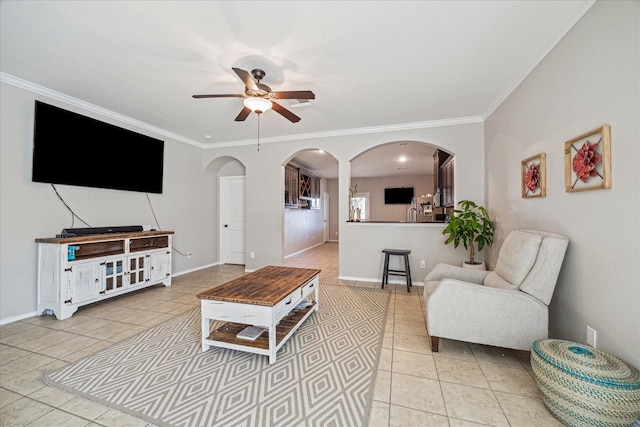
(533,176)
(587,161)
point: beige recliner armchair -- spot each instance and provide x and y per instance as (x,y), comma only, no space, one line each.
(506,307)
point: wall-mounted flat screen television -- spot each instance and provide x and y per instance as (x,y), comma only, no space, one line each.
(398,196)
(72,149)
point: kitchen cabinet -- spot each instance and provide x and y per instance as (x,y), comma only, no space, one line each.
(309,191)
(301,188)
(443,179)
(291,186)
(447,192)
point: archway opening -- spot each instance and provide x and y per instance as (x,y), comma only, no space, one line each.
(400,181)
(310,208)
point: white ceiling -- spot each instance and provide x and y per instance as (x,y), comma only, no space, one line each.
(370,64)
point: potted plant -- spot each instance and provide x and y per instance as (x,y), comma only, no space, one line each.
(470,225)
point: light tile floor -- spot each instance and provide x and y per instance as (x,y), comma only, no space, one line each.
(462,385)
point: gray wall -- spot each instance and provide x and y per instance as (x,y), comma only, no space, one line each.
(589,79)
(31,210)
(360,244)
(333,190)
(304,228)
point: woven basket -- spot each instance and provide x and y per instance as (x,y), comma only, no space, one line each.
(583,386)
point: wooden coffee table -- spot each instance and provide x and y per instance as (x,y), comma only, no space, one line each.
(265,298)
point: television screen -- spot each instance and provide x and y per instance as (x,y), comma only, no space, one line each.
(73,149)
(398,196)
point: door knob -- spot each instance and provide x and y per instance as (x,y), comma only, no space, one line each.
(226,225)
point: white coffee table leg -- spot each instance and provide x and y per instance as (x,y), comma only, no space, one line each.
(272,344)
(205,333)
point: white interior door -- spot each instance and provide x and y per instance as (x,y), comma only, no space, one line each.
(232,220)
(325,216)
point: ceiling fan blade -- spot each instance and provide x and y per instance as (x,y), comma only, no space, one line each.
(243,114)
(294,94)
(284,112)
(230,95)
(247,79)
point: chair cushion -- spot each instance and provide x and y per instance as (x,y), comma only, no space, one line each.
(517,255)
(541,280)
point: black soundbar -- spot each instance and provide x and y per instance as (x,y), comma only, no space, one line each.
(74,232)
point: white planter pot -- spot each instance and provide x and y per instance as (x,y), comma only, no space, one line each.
(479,265)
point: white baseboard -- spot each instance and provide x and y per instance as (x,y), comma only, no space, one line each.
(303,250)
(12,319)
(376,280)
(202,267)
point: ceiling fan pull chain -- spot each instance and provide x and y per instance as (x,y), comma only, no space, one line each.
(258,131)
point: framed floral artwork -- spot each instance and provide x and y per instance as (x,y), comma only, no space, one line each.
(533,176)
(587,161)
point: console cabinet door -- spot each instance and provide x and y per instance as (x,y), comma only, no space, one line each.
(138,269)
(114,275)
(84,282)
(160,263)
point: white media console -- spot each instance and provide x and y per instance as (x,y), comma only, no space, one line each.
(75,271)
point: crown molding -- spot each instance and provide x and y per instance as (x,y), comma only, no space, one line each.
(58,96)
(354,131)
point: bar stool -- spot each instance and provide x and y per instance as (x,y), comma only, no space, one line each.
(387,272)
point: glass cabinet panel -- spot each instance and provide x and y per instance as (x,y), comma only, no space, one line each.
(137,270)
(113,275)
(291,186)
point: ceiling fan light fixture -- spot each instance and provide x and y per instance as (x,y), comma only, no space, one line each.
(257,105)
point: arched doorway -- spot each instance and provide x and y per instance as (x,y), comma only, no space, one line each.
(311,216)
(231,222)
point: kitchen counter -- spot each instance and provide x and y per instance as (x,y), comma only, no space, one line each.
(397,222)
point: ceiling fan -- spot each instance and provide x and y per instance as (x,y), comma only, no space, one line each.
(259,97)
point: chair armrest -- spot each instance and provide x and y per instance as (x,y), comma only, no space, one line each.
(446,271)
(458,291)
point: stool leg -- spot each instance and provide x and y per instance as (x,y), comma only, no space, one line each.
(385,270)
(408,270)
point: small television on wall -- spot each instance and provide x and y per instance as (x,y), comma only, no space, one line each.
(398,196)
(72,149)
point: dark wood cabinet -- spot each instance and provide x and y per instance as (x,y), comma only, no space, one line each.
(291,186)
(447,192)
(443,179)
(309,186)
(301,188)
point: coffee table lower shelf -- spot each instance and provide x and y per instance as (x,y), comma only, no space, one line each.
(225,335)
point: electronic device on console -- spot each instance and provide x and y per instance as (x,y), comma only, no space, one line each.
(87,231)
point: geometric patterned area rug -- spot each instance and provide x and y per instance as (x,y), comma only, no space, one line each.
(323,376)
